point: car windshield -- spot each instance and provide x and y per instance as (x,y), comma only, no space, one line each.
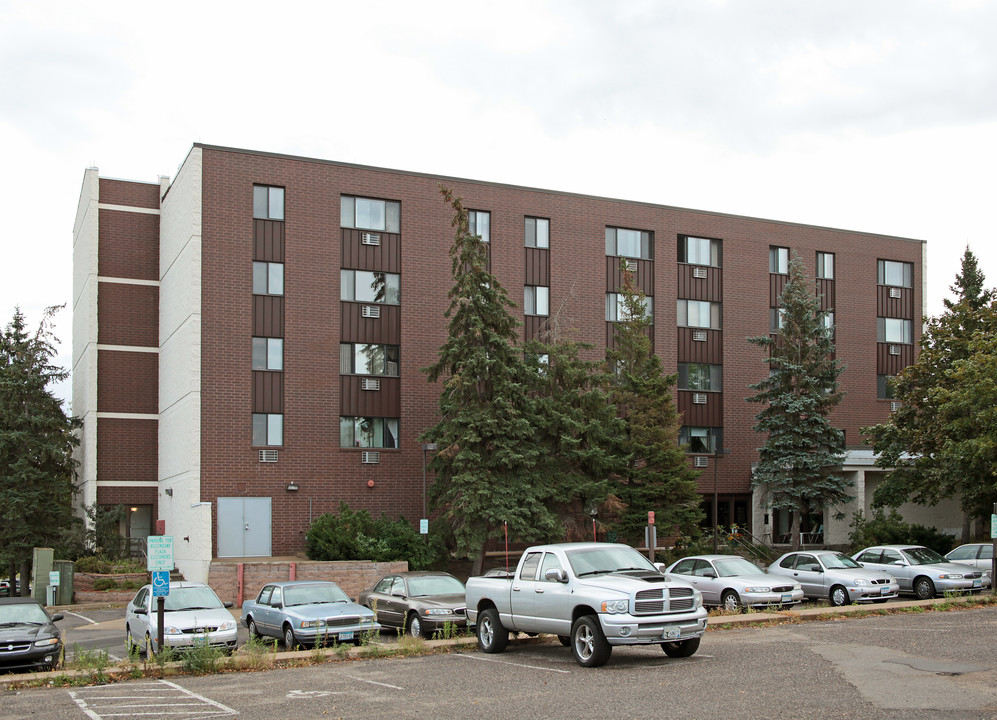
(607,559)
(836,561)
(923,556)
(22,614)
(191,598)
(313,594)
(731,567)
(423,585)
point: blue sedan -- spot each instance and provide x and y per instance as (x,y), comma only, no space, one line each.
(307,613)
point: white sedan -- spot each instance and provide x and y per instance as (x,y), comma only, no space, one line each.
(731,582)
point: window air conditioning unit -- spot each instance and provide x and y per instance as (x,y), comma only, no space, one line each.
(894,349)
(268,456)
(896,292)
(370,311)
(699,398)
(370,384)
(699,335)
(369,238)
(700,461)
(630,265)
(699,272)
(894,406)
(370,457)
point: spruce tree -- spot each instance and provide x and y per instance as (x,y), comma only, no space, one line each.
(488,467)
(656,474)
(798,464)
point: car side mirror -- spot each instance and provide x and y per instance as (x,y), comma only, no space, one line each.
(710,575)
(898,562)
(398,595)
(141,611)
(228,603)
(555,575)
(661,567)
(57,617)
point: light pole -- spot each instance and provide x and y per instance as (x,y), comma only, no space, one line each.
(717,454)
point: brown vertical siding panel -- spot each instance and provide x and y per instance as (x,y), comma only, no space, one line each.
(386,257)
(693,288)
(268,391)
(825,291)
(355,402)
(268,316)
(537,267)
(268,240)
(777,284)
(902,307)
(709,415)
(535,327)
(385,330)
(644,275)
(690,350)
(887,364)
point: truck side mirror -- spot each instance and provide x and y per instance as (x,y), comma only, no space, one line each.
(555,575)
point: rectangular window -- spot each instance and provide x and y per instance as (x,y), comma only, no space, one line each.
(699,314)
(268,202)
(536,300)
(268,429)
(700,439)
(366,359)
(896,274)
(268,278)
(617,311)
(825,266)
(629,243)
(699,251)
(701,376)
(268,353)
(368,432)
(828,321)
(778,260)
(894,330)
(537,232)
(367,214)
(480,223)
(777,317)
(884,388)
(369,287)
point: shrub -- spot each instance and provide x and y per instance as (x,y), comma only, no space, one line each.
(92,564)
(890,529)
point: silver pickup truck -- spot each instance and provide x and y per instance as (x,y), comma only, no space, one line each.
(592,596)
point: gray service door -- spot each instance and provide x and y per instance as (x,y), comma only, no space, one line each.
(244,527)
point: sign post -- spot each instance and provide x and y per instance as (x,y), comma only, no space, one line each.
(993,562)
(160,563)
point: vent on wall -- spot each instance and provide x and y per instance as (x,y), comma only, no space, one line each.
(699,335)
(370,384)
(268,456)
(370,311)
(894,406)
(369,457)
(896,293)
(369,238)
(700,461)
(699,398)
(894,349)
(699,272)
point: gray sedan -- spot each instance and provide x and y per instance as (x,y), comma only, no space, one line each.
(979,555)
(419,602)
(730,581)
(921,571)
(828,575)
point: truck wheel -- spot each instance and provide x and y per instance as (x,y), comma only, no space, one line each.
(588,644)
(492,637)
(681,649)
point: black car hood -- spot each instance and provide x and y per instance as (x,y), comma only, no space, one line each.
(27,632)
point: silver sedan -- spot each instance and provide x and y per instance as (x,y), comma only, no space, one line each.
(829,575)
(731,582)
(921,571)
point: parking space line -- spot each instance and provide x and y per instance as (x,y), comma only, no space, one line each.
(81,617)
(176,701)
(374,682)
(506,662)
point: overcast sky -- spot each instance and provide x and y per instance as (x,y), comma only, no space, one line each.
(874,116)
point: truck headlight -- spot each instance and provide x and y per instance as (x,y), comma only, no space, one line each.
(616,607)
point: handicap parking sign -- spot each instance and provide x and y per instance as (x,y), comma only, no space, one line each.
(160,583)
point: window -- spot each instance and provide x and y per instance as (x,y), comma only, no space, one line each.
(536,300)
(628,243)
(699,251)
(884,387)
(699,314)
(268,278)
(363,359)
(369,287)
(700,439)
(480,223)
(368,432)
(268,202)
(617,311)
(366,214)
(778,260)
(777,317)
(550,562)
(268,429)
(701,376)
(268,353)
(537,232)
(894,330)
(897,274)
(825,266)
(827,320)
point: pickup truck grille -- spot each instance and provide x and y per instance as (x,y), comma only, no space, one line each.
(654,602)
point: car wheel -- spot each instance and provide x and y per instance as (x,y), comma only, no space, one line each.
(564,640)
(290,642)
(588,644)
(414,625)
(839,596)
(682,648)
(492,637)
(924,588)
(730,601)
(254,634)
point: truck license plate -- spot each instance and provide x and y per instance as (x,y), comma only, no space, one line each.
(671,633)
(346,635)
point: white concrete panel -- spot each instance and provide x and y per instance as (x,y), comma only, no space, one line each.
(180,292)
(180,366)
(180,440)
(189,522)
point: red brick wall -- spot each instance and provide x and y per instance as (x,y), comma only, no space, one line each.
(127,192)
(127,314)
(127,382)
(128,450)
(128,245)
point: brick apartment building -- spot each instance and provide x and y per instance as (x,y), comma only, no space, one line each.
(248,338)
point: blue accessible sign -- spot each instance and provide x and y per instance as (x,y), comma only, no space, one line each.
(160,583)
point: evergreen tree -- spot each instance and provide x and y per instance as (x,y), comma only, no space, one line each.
(797,464)
(933,443)
(36,444)
(656,474)
(489,468)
